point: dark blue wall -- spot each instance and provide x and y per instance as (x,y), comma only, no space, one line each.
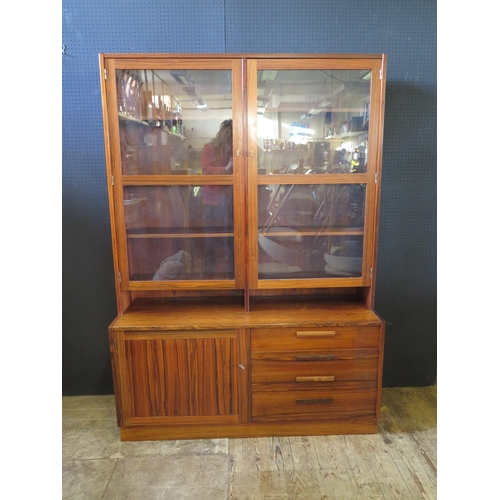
(405,30)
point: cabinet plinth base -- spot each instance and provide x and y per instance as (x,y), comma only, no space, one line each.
(365,426)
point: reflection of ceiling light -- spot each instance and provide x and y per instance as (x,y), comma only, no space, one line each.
(367,75)
(315,111)
(268,74)
(201,105)
(301,131)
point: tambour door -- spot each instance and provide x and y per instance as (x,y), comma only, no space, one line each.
(178,377)
(314,132)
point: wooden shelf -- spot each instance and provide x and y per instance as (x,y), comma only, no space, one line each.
(275,312)
(340,231)
(177,233)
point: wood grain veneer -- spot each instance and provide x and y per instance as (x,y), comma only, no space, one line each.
(232,354)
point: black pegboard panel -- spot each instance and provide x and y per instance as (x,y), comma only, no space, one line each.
(403,29)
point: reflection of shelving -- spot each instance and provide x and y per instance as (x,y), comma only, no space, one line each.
(348,135)
(124,116)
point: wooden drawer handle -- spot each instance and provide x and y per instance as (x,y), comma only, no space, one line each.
(326,333)
(315,357)
(311,401)
(328,378)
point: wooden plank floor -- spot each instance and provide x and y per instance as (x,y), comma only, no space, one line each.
(399,462)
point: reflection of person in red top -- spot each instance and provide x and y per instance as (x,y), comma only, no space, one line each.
(217,159)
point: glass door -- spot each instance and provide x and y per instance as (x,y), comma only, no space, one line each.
(311,172)
(176,177)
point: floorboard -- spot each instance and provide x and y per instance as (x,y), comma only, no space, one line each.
(399,462)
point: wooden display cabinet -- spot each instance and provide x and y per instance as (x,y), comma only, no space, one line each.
(245,266)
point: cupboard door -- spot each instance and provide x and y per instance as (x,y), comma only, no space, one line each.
(175,126)
(180,378)
(313,132)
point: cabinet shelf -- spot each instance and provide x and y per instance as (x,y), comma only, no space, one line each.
(178,233)
(186,278)
(267,312)
(302,231)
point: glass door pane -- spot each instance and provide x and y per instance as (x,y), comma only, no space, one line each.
(172,234)
(167,116)
(311,174)
(313,121)
(176,173)
(311,230)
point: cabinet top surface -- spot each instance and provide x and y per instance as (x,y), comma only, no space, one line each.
(241,55)
(230,314)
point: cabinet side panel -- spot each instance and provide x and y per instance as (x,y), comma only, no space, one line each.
(115,373)
(380,368)
(108,94)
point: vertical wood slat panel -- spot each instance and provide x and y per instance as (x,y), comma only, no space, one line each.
(182,377)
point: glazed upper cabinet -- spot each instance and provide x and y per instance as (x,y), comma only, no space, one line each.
(243,173)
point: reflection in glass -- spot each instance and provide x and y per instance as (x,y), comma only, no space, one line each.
(217,159)
(173,235)
(177,122)
(167,116)
(313,121)
(311,231)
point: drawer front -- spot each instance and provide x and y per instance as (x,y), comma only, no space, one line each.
(297,339)
(312,404)
(304,373)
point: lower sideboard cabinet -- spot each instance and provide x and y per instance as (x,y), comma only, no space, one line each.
(254,379)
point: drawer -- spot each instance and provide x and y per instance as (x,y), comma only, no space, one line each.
(296,339)
(313,404)
(305,373)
